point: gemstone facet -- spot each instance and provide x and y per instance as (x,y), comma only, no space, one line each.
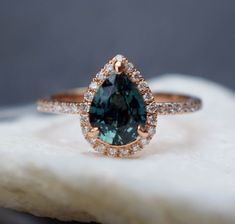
(117,109)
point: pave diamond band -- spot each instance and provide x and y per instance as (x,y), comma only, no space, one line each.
(72,103)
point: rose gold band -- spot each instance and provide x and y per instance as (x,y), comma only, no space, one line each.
(70,103)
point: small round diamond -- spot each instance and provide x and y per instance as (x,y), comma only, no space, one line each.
(143,86)
(74,108)
(84,118)
(144,141)
(93,86)
(152,108)
(112,152)
(100,76)
(84,107)
(151,131)
(100,148)
(85,130)
(88,96)
(152,119)
(135,148)
(58,107)
(91,140)
(124,152)
(108,67)
(129,67)
(136,76)
(119,57)
(148,96)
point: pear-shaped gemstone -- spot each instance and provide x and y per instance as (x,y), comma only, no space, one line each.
(117,109)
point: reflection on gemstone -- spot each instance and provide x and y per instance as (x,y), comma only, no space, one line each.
(117,109)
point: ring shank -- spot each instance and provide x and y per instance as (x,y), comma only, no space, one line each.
(168,103)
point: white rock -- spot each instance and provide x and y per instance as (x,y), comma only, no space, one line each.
(185,175)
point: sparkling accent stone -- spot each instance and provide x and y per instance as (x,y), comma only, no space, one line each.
(135,77)
(135,148)
(144,141)
(124,152)
(88,96)
(100,76)
(74,109)
(151,131)
(91,140)
(148,96)
(152,119)
(100,148)
(129,67)
(85,130)
(84,118)
(117,109)
(152,108)
(143,86)
(119,57)
(93,86)
(108,67)
(112,152)
(84,107)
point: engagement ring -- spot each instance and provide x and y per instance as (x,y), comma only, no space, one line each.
(118,111)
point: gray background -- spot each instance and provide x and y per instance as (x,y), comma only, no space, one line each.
(52,45)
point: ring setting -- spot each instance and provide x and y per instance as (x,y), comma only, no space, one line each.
(118,115)
(118,111)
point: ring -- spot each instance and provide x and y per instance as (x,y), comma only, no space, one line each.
(118,111)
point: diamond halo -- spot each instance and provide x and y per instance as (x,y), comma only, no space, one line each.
(150,105)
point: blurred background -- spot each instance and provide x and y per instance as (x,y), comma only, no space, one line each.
(51,45)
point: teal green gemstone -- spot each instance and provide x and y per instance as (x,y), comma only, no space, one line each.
(117,109)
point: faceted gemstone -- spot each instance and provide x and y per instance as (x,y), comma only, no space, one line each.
(143,86)
(100,148)
(84,107)
(84,118)
(124,152)
(152,107)
(144,141)
(93,85)
(129,67)
(117,109)
(152,119)
(119,57)
(136,76)
(85,130)
(112,152)
(88,96)
(148,96)
(108,67)
(135,148)
(100,76)
(91,140)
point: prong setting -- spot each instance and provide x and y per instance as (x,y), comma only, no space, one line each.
(93,133)
(119,67)
(142,131)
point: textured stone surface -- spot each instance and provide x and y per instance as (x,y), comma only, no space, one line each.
(117,109)
(185,175)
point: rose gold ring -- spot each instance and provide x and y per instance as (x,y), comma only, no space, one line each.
(118,111)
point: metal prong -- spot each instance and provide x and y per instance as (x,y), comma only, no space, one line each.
(142,131)
(119,67)
(93,133)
